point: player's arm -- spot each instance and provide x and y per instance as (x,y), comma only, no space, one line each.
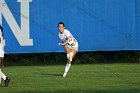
(61,44)
(67,40)
(64,43)
(68,35)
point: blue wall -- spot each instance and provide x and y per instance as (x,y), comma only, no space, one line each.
(98,25)
(138,21)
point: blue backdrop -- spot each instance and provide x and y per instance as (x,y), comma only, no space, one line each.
(98,25)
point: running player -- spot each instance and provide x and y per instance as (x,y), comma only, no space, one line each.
(2,75)
(70,49)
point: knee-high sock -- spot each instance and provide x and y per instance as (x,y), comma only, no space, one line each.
(2,75)
(67,67)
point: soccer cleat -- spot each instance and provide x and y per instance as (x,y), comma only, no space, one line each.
(7,81)
(64,75)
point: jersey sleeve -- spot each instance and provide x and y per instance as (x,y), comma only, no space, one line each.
(68,34)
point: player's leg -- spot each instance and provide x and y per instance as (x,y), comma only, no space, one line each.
(68,65)
(70,55)
(3,76)
(0,61)
(1,57)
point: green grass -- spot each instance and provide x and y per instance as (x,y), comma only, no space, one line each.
(92,78)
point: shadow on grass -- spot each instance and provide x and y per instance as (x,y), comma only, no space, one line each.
(51,74)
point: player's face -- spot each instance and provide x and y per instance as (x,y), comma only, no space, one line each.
(61,28)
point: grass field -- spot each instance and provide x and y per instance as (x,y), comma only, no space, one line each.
(92,78)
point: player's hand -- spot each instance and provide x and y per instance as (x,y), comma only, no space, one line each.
(60,44)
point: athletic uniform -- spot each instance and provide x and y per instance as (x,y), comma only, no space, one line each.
(2,75)
(1,45)
(1,53)
(65,36)
(73,45)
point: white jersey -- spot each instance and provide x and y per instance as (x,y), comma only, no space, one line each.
(65,36)
(1,45)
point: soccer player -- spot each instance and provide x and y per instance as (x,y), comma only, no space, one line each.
(70,49)
(2,75)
